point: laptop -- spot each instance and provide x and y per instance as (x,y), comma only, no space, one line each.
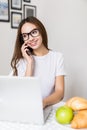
(21,100)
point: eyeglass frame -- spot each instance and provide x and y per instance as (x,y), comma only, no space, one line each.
(30,33)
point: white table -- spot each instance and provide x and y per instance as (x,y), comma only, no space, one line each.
(50,124)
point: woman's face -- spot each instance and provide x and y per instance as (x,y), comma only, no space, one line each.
(31,36)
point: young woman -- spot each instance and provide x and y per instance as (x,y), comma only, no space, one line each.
(33,58)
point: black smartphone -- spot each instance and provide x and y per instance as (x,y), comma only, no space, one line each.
(29,49)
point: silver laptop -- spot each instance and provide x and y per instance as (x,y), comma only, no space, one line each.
(21,100)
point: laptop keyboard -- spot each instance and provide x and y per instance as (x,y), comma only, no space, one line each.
(47,112)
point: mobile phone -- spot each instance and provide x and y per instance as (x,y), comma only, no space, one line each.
(29,49)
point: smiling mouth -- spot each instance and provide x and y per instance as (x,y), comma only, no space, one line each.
(33,43)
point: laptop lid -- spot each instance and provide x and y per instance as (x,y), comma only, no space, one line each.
(21,100)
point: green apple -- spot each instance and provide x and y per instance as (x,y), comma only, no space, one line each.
(64,115)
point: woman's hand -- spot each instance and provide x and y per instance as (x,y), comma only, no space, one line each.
(29,59)
(24,50)
(44,103)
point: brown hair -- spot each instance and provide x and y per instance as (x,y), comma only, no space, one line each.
(17,55)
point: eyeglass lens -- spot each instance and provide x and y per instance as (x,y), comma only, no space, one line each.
(33,33)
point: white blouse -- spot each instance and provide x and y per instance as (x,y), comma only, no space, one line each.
(47,67)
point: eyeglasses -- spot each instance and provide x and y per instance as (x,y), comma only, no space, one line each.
(34,33)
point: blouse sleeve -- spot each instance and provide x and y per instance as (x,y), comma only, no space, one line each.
(60,70)
(21,68)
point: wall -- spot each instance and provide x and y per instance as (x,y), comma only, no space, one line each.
(7,39)
(66,24)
